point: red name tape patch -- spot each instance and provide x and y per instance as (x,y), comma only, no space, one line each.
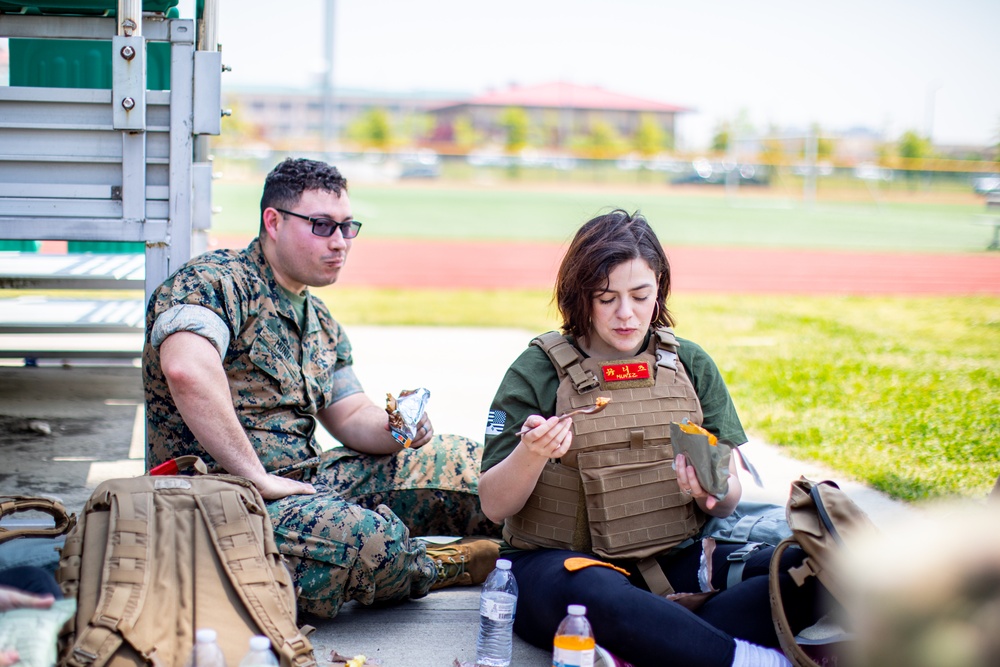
(622,372)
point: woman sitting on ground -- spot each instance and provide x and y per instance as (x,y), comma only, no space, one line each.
(544,483)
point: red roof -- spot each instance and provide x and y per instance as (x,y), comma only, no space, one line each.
(568,95)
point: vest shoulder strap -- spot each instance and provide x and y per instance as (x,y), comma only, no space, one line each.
(567,360)
(666,338)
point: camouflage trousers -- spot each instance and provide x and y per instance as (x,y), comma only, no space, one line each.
(349,542)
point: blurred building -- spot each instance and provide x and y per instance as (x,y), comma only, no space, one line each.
(559,110)
(291,116)
(556,112)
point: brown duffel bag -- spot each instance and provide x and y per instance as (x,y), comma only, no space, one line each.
(824,521)
(154,558)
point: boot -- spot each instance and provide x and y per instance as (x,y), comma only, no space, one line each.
(464,563)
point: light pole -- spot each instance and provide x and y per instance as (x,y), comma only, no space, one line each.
(329,121)
(932,89)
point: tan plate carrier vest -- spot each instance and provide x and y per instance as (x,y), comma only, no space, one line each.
(615,493)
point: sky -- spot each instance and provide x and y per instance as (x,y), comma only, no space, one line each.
(887,65)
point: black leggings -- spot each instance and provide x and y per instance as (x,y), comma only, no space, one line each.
(30,579)
(648,630)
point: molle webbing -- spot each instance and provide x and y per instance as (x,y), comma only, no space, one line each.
(616,485)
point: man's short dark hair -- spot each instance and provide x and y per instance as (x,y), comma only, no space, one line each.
(284,186)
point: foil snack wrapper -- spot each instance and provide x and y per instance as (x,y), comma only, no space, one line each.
(709,458)
(405,413)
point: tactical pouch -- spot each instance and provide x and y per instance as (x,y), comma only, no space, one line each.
(629,514)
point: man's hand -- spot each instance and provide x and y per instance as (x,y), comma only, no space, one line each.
(272,487)
(424,434)
(12,598)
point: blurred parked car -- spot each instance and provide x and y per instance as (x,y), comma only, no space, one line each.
(872,172)
(718,173)
(985,185)
(422,164)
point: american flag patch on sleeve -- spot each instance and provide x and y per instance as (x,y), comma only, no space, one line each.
(495,422)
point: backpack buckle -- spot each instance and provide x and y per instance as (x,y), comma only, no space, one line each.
(80,656)
(738,560)
(743,554)
(105,621)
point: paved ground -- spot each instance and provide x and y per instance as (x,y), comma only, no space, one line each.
(95,417)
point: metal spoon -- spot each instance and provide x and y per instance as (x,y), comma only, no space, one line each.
(599,405)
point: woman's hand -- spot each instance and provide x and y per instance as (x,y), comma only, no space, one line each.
(687,479)
(548,438)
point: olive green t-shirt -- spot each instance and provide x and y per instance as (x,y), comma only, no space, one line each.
(530,384)
(298,302)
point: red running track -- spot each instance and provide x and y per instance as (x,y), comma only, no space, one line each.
(423,264)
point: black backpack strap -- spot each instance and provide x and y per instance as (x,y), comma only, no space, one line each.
(567,360)
(824,516)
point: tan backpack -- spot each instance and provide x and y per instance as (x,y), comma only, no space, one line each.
(823,520)
(154,558)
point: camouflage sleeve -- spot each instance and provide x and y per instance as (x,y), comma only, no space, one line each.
(195,319)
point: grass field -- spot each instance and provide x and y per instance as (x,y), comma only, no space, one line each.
(902,393)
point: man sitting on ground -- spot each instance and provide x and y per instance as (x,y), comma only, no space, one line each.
(240,362)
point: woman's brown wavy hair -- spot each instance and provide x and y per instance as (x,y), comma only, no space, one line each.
(599,246)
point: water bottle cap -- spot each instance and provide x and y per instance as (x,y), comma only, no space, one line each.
(205,635)
(577,610)
(260,643)
(503,564)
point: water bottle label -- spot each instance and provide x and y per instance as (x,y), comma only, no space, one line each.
(562,657)
(497,611)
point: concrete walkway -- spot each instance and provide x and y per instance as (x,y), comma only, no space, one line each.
(96,418)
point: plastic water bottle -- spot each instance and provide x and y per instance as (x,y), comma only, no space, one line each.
(206,651)
(260,653)
(574,642)
(496,617)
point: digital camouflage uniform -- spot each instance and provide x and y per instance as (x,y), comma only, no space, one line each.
(347,541)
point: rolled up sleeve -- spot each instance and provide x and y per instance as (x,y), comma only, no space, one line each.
(194,319)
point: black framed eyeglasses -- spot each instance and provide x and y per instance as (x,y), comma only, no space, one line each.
(325,227)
